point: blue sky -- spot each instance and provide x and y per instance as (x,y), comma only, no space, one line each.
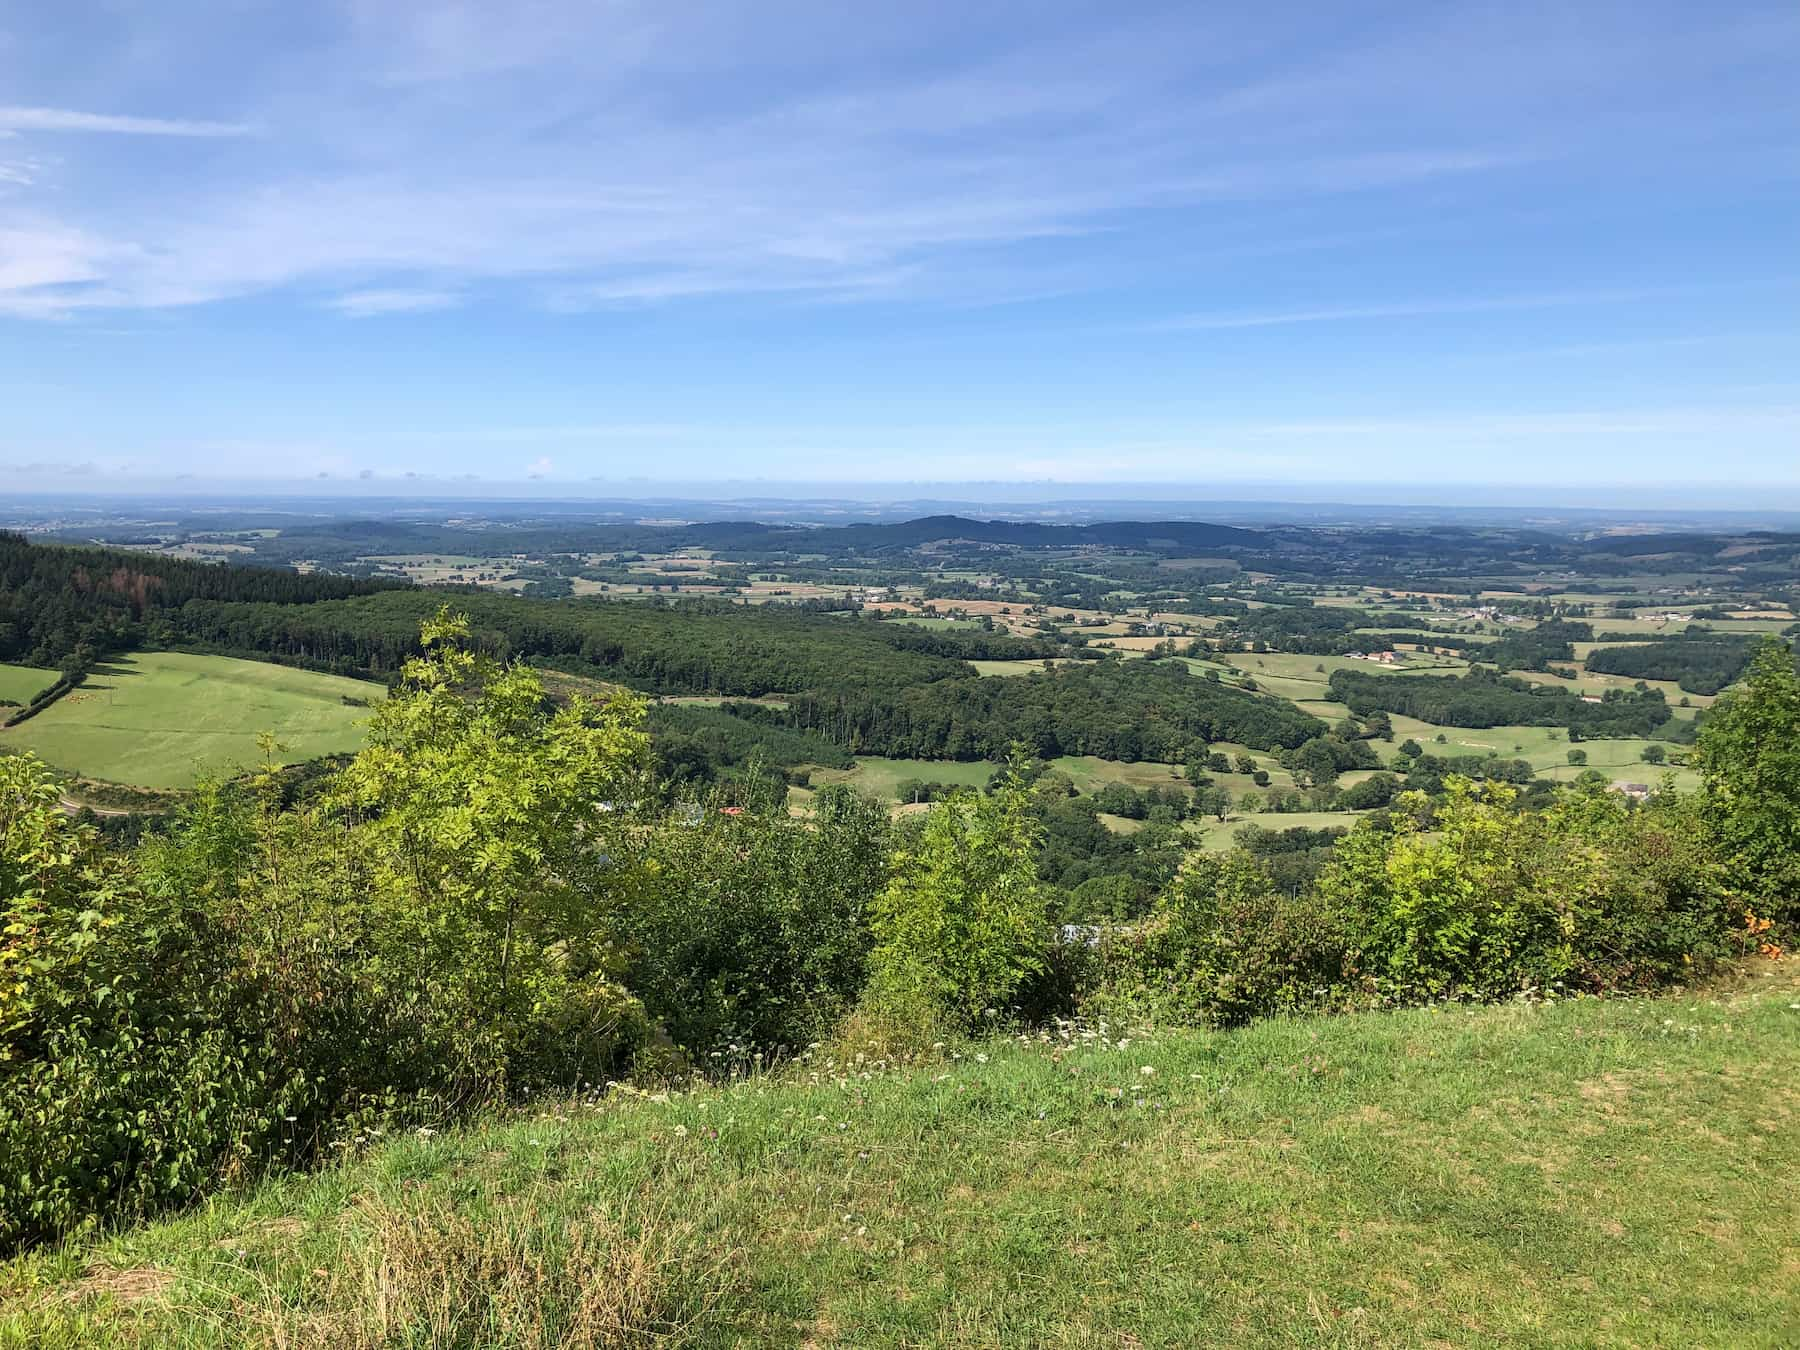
(571,244)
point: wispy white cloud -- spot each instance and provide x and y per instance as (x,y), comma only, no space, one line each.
(371,304)
(1408,309)
(67,119)
(635,154)
(581,156)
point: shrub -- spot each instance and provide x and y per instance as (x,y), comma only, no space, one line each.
(753,928)
(962,924)
(1221,949)
(1749,754)
(1495,901)
(126,1077)
(256,984)
(1491,902)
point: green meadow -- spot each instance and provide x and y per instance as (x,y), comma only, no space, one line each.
(1594,1172)
(21,684)
(879,777)
(160,719)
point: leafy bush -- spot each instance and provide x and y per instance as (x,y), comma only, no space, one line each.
(127,1077)
(1750,759)
(1222,948)
(962,923)
(258,984)
(753,928)
(1493,901)
(1592,894)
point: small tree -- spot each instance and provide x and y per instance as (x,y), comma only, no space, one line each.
(476,811)
(963,922)
(1576,757)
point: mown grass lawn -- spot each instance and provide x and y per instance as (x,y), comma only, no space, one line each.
(159,719)
(1614,1172)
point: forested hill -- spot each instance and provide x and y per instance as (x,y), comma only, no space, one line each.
(700,647)
(56,601)
(1127,710)
(871,687)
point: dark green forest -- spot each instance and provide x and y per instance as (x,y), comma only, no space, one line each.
(1482,698)
(1131,710)
(1700,665)
(56,602)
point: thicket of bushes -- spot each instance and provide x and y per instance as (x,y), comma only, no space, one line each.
(491,900)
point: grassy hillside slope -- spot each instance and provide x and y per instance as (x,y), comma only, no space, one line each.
(158,719)
(1611,1173)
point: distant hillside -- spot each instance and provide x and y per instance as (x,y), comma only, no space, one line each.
(344,540)
(1169,536)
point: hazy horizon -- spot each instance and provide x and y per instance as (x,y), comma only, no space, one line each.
(1267,502)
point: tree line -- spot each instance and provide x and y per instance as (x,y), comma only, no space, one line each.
(1482,698)
(59,601)
(1115,709)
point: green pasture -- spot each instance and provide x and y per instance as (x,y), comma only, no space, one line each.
(1582,1173)
(160,719)
(1004,668)
(1546,749)
(879,777)
(21,684)
(934,621)
(1217,834)
(1589,682)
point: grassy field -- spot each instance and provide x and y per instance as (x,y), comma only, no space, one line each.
(157,719)
(934,621)
(1589,682)
(1004,668)
(1299,679)
(1587,1173)
(1217,834)
(878,777)
(1545,748)
(21,684)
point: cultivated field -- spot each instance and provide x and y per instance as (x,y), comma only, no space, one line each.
(160,719)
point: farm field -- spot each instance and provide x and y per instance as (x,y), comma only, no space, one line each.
(879,777)
(1090,773)
(1289,666)
(1589,682)
(21,684)
(935,622)
(160,719)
